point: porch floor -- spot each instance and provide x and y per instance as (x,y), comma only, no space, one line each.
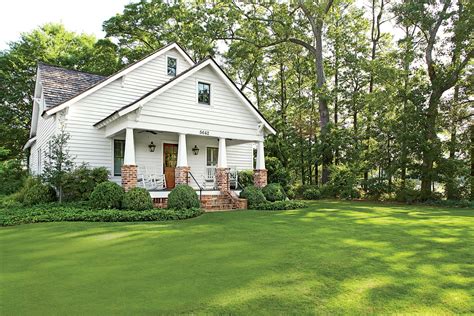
(159,194)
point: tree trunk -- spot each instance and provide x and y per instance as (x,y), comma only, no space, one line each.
(472,161)
(336,90)
(451,183)
(429,151)
(375,37)
(323,102)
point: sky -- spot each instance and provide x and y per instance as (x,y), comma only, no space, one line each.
(83,16)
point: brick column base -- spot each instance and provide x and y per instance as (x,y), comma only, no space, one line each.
(181,175)
(129,177)
(222,179)
(260,178)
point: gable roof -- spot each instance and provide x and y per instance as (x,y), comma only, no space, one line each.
(208,61)
(105,81)
(60,84)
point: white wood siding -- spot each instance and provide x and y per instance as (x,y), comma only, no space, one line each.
(178,108)
(45,130)
(89,144)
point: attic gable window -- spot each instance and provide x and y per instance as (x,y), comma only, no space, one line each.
(171,63)
(204,93)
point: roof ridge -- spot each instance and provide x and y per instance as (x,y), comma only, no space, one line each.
(68,69)
(105,78)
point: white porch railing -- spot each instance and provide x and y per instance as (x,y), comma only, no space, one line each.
(210,178)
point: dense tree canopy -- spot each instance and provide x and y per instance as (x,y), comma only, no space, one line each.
(379,92)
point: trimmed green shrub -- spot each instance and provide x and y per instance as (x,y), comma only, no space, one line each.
(12,175)
(280,205)
(107,195)
(29,182)
(183,197)
(137,199)
(311,193)
(245,178)
(39,193)
(79,184)
(274,192)
(9,201)
(253,195)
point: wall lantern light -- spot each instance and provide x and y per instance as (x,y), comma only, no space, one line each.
(195,150)
(152,147)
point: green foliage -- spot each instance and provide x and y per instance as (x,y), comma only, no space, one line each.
(39,193)
(344,182)
(280,205)
(375,188)
(276,172)
(137,199)
(9,201)
(274,192)
(107,195)
(183,197)
(72,212)
(58,163)
(253,195)
(79,184)
(245,178)
(311,193)
(12,176)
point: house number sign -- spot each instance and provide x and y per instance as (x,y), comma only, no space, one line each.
(203,132)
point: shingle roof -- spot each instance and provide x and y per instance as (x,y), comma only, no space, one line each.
(60,84)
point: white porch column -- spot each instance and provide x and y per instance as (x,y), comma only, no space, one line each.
(182,160)
(222,155)
(260,156)
(129,154)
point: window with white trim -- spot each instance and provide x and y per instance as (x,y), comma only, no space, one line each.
(204,93)
(171,65)
(212,155)
(119,153)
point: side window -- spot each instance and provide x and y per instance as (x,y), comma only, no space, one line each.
(119,150)
(212,154)
(171,66)
(204,93)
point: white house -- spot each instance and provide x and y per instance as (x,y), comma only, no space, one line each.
(161,121)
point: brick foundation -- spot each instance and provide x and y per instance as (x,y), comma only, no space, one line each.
(129,177)
(181,175)
(260,177)
(222,179)
(219,202)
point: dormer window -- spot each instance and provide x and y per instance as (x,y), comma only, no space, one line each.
(204,93)
(171,63)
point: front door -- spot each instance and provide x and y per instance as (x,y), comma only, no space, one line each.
(170,153)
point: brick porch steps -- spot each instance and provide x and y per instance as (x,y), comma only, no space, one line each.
(220,202)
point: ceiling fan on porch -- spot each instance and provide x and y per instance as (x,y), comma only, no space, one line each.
(146,131)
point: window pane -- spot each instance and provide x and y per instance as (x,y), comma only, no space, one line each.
(212,154)
(204,93)
(171,66)
(119,149)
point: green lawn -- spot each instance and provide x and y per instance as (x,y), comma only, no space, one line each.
(334,257)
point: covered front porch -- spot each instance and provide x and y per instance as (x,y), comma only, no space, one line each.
(159,160)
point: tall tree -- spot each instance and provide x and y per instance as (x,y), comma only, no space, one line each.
(444,60)
(50,43)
